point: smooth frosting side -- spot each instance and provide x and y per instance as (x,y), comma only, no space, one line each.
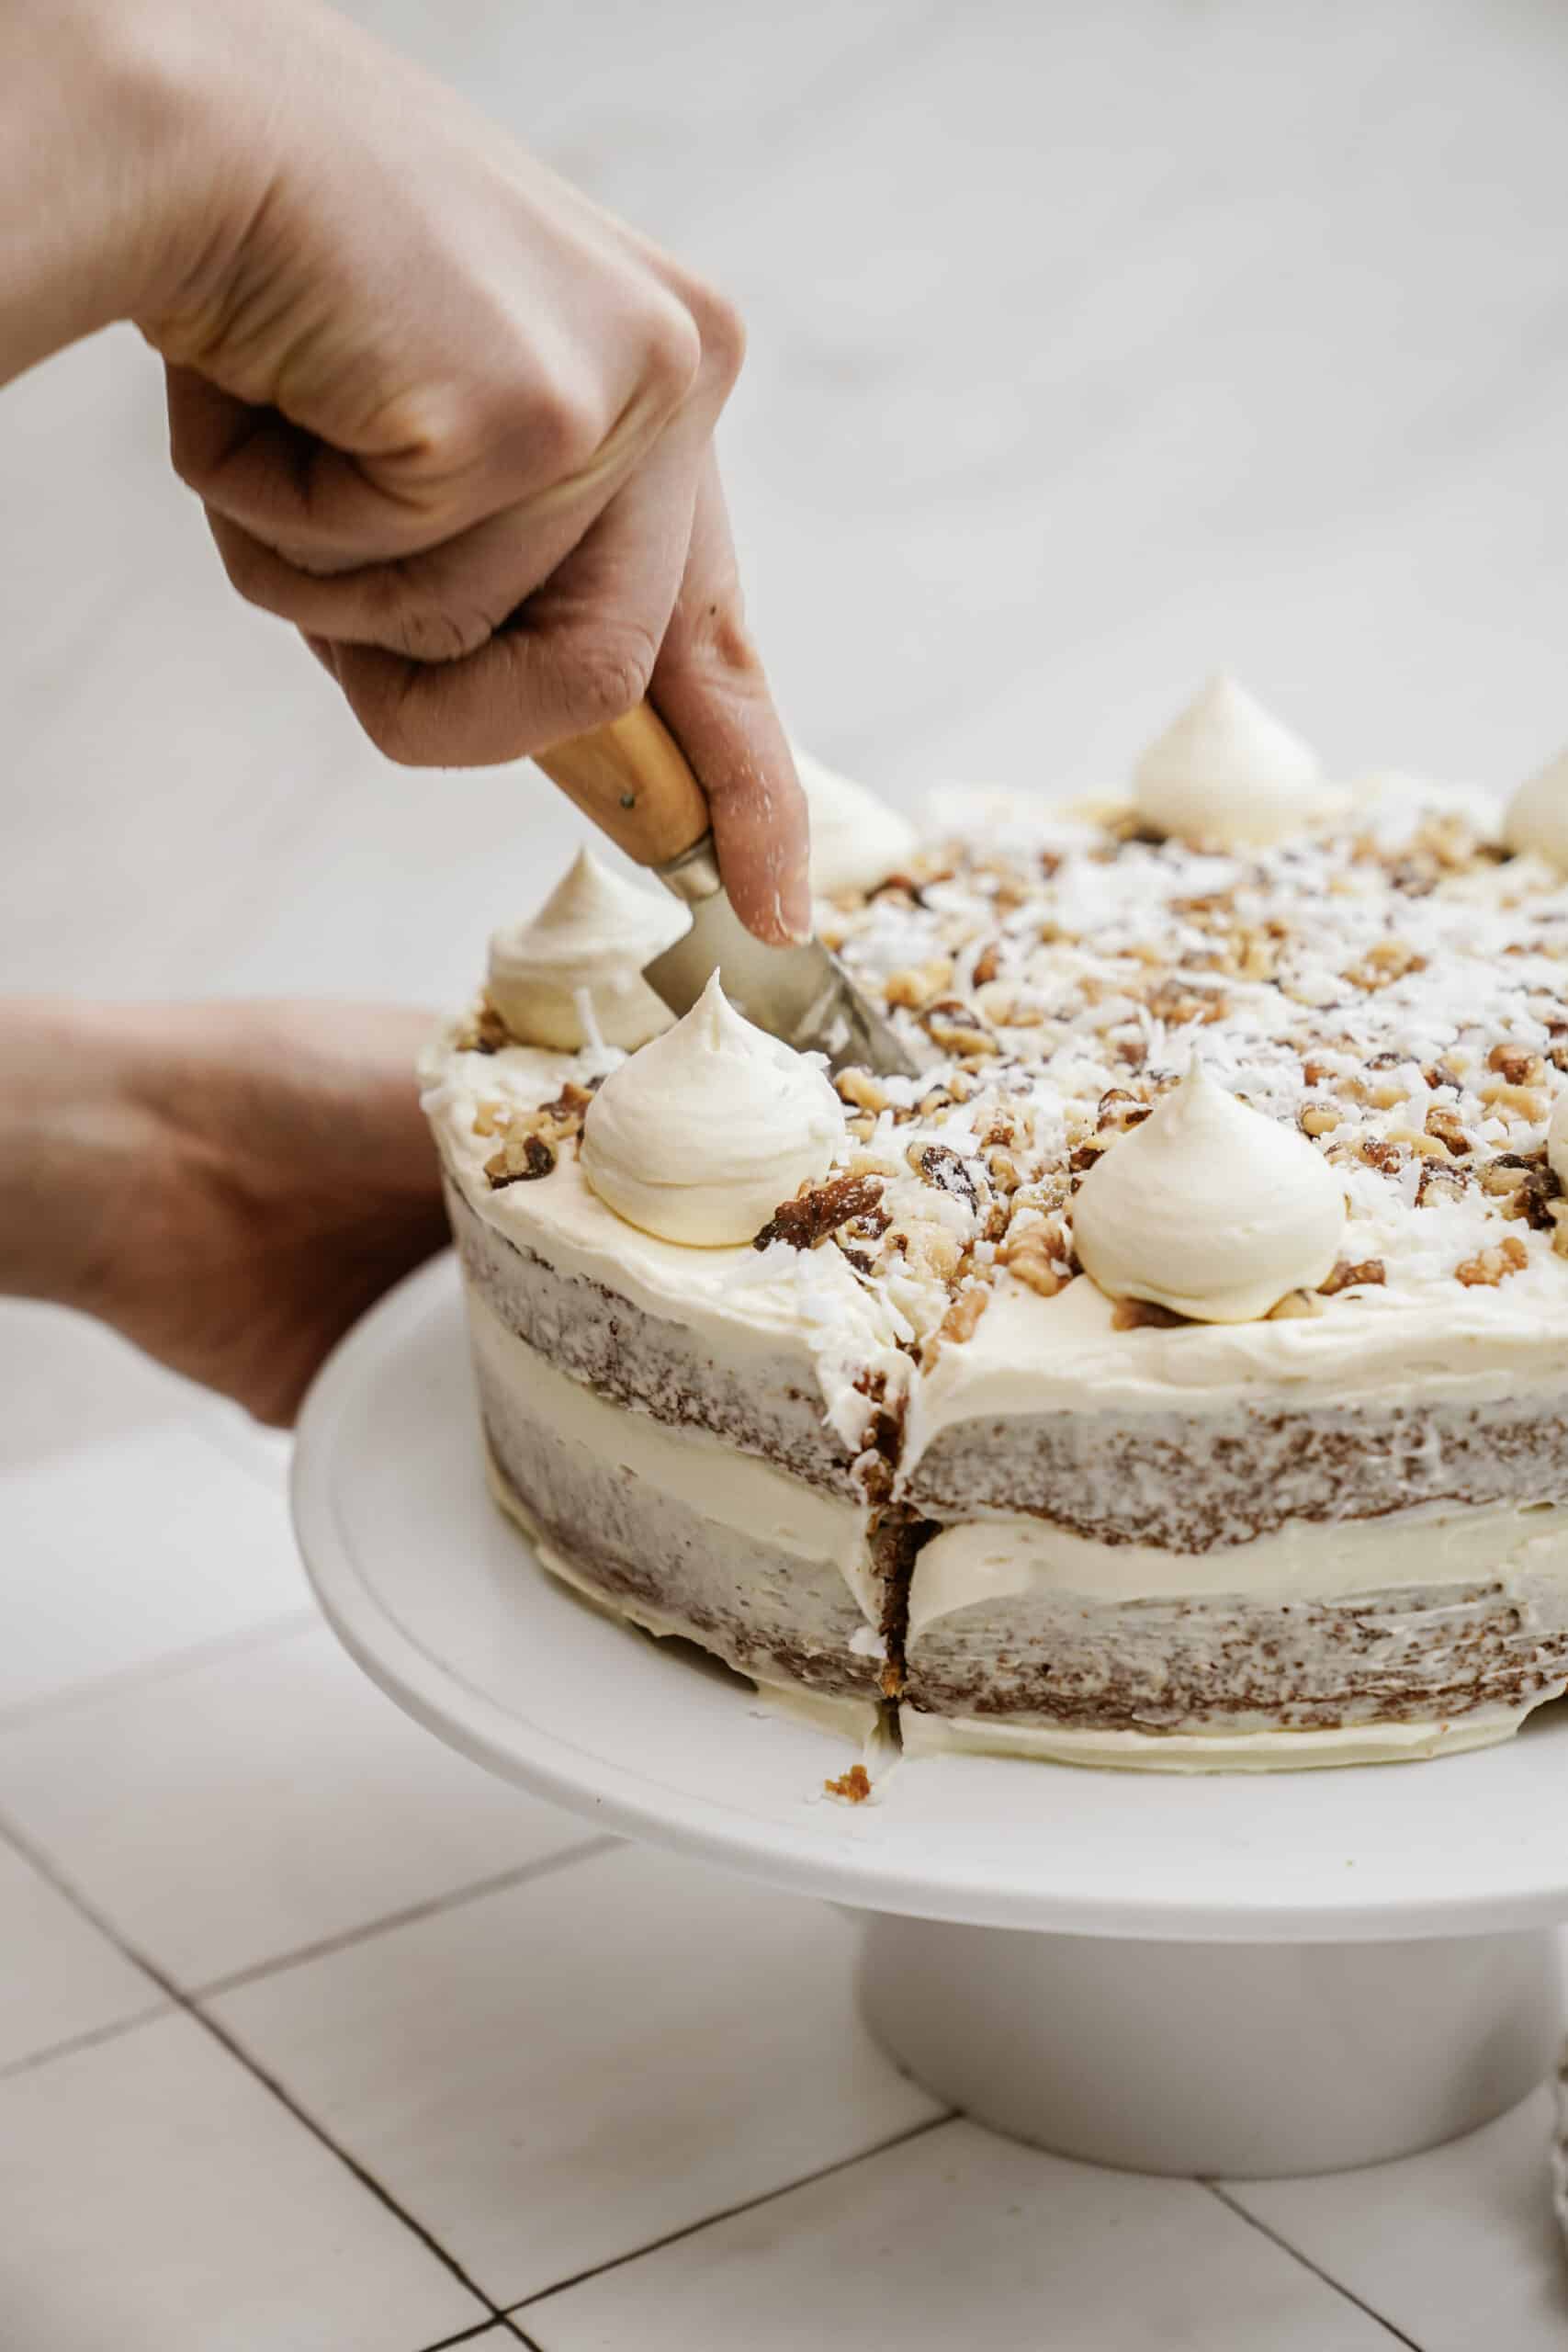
(856,1719)
(593,934)
(715,1480)
(1031,1355)
(1226,774)
(1537,817)
(857,840)
(982,1562)
(1209,1208)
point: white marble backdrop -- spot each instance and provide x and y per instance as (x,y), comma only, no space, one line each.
(1092,346)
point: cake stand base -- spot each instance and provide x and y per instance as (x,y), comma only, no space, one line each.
(1240,2060)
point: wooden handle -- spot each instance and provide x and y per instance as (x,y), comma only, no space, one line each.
(632,778)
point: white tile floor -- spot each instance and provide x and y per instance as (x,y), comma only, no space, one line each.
(1089,346)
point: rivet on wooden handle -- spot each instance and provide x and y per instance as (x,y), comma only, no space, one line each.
(632,778)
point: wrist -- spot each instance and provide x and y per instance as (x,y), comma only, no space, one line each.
(78,1149)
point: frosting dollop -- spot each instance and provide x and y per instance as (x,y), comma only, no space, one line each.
(1537,817)
(1210,1208)
(1557,1141)
(1226,775)
(583,953)
(698,1137)
(857,840)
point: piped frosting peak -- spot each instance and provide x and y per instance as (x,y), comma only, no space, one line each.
(1537,816)
(857,840)
(1226,775)
(1210,1208)
(698,1137)
(583,951)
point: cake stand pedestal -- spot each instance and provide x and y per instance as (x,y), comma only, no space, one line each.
(1236,1974)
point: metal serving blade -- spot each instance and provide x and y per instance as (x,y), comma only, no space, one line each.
(801,994)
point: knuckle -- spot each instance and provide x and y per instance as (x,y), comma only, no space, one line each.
(423,617)
(431,633)
(722,331)
(673,349)
(563,431)
(608,675)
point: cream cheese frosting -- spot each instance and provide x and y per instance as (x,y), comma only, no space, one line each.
(1227,774)
(698,1137)
(1210,1208)
(857,840)
(575,966)
(1537,816)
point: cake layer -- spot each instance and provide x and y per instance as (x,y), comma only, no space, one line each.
(679,1531)
(1196,1483)
(1418,1619)
(763,1401)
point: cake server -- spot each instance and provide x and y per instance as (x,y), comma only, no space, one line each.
(632,778)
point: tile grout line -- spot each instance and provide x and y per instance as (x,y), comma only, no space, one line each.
(728,2212)
(522,1875)
(89,2040)
(288,1625)
(1234,2206)
(186,2007)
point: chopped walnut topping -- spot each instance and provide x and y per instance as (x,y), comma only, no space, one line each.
(852,1787)
(1444,1124)
(1517,1063)
(1389,961)
(1489,1267)
(1137,1313)
(940,1165)
(919,985)
(487,1033)
(866,1093)
(811,1216)
(959,1035)
(1040,1257)
(961,1317)
(1347,1273)
(521,1159)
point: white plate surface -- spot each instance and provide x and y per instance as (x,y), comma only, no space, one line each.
(442,1602)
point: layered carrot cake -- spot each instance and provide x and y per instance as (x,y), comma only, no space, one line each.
(1174,1374)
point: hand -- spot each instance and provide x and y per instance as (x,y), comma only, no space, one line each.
(454,423)
(230,1185)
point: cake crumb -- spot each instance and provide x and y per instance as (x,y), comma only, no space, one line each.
(853,1786)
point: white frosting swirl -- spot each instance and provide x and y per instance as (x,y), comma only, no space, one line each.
(1557,1141)
(1537,816)
(698,1137)
(1226,775)
(583,953)
(856,840)
(1210,1208)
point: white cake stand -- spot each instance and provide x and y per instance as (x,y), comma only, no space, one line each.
(1234,1974)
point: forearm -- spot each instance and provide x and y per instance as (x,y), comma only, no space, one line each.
(113,189)
(73,1132)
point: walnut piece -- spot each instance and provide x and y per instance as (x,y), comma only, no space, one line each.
(1138,1314)
(853,1786)
(811,1216)
(1347,1272)
(521,1159)
(1489,1267)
